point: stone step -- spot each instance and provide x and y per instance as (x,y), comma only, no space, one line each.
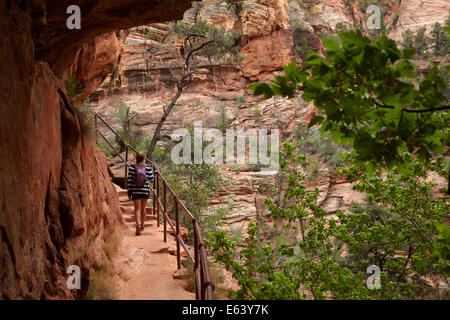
(130,206)
(123,193)
(132,224)
(131,218)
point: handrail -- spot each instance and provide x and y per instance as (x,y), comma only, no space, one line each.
(204,287)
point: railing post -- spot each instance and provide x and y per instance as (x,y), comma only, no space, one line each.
(126,168)
(165,211)
(157,200)
(197,289)
(153,191)
(202,276)
(177,225)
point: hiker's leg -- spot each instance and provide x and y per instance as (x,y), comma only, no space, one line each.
(137,210)
(143,211)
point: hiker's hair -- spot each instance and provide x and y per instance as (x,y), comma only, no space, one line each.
(140,157)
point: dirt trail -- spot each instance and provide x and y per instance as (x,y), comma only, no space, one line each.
(143,264)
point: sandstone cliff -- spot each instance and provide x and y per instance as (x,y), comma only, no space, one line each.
(58,203)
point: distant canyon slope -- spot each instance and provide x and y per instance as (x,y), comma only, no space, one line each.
(143,80)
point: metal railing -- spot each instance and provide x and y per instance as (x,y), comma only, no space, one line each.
(203,285)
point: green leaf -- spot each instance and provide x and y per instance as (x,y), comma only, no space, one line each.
(330,44)
(315,120)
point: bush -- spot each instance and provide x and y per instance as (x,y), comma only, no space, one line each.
(101,281)
(86,120)
(73,87)
(311,142)
(215,274)
(402,233)
(241,99)
(221,122)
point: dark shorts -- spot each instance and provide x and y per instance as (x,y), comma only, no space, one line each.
(139,196)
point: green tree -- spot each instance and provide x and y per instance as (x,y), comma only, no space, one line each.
(367,98)
(403,217)
(285,269)
(439,40)
(329,257)
(201,40)
(125,127)
(421,41)
(408,39)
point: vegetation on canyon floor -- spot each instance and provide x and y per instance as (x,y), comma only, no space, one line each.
(327,257)
(371,100)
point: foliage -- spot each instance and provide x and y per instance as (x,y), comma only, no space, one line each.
(303,50)
(411,223)
(215,274)
(106,149)
(408,39)
(298,25)
(421,40)
(241,99)
(310,142)
(218,43)
(257,112)
(125,128)
(331,256)
(195,185)
(367,93)
(101,282)
(221,122)
(439,40)
(237,6)
(281,270)
(73,87)
(86,119)
(200,40)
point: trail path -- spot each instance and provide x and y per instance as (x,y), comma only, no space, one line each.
(144,265)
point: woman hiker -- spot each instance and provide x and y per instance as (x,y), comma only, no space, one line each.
(139,190)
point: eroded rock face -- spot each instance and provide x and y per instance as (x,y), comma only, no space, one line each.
(57,44)
(271,29)
(414,14)
(58,202)
(263,17)
(266,54)
(95,60)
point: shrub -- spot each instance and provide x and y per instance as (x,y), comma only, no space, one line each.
(101,281)
(241,99)
(257,112)
(73,87)
(215,274)
(221,122)
(86,120)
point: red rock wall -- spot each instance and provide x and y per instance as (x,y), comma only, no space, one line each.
(56,196)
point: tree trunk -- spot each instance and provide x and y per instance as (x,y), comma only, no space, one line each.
(155,137)
(448,182)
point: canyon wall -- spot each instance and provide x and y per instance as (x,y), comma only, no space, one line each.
(58,205)
(271,30)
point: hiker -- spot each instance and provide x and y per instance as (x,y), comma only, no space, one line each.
(139,190)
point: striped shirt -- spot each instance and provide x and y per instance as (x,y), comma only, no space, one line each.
(132,189)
